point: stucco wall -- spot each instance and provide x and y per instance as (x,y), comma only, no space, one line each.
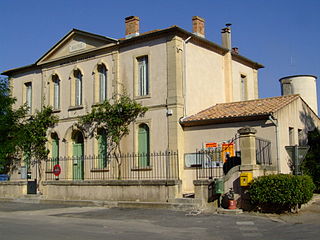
(296,115)
(17,84)
(204,78)
(239,69)
(157,63)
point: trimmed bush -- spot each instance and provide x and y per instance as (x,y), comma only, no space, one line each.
(280,192)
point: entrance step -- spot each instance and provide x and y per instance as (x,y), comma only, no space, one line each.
(163,205)
(29,198)
(185,200)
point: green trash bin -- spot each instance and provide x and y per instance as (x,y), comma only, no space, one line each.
(219,186)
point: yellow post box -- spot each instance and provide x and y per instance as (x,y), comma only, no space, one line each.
(245,179)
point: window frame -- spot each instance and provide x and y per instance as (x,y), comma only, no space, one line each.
(78,88)
(102,78)
(142,83)
(291,136)
(56,92)
(28,95)
(243,87)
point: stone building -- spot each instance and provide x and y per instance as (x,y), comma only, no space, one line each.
(175,73)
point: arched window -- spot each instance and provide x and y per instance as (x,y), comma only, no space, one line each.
(102,72)
(56,92)
(144,145)
(78,87)
(102,149)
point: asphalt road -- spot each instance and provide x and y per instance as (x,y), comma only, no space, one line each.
(21,221)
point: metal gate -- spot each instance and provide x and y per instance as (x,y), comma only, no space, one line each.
(32,187)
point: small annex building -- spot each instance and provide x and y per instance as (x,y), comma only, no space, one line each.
(279,121)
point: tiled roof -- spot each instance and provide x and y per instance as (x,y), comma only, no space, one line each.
(247,109)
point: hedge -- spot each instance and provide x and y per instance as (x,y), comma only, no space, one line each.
(280,192)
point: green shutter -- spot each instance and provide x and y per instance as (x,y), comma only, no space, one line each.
(143,145)
(55,151)
(102,150)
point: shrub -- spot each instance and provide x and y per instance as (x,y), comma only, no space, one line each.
(280,192)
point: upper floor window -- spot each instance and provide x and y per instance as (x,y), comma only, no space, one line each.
(243,88)
(143,76)
(28,94)
(291,136)
(102,71)
(56,92)
(78,88)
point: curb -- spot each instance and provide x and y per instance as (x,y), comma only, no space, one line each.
(315,198)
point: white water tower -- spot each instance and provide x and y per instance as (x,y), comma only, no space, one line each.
(305,85)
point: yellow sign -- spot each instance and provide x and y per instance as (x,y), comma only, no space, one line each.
(245,179)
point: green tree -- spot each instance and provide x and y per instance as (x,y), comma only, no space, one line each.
(10,128)
(114,116)
(34,137)
(311,164)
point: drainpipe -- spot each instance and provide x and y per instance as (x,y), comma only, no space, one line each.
(275,122)
(185,75)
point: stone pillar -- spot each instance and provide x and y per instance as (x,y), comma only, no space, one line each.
(175,99)
(201,191)
(248,145)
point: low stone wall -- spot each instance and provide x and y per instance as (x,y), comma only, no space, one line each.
(113,190)
(13,189)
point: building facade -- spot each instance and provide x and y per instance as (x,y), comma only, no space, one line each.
(174,72)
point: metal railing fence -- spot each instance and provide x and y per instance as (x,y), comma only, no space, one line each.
(153,166)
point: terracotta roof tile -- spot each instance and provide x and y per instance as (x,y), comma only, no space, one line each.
(257,107)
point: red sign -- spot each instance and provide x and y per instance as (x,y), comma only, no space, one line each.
(56,170)
(211,145)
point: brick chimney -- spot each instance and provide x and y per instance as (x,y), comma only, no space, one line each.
(132,26)
(198,26)
(226,36)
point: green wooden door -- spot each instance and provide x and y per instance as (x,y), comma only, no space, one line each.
(102,150)
(78,171)
(143,146)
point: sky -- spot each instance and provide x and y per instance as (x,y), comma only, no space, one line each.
(283,35)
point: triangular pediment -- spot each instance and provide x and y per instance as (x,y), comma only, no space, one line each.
(75,42)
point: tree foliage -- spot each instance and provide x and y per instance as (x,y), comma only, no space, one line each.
(10,128)
(311,164)
(22,134)
(34,133)
(114,116)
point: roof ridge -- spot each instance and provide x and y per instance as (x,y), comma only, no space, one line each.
(260,99)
